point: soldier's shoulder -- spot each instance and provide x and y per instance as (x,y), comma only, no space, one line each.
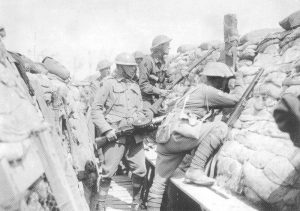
(108,81)
(216,92)
(209,89)
(147,61)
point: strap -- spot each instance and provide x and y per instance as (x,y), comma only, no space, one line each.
(109,109)
(112,105)
(184,104)
(187,93)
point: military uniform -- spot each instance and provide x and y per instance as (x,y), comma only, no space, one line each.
(171,153)
(94,85)
(148,68)
(118,103)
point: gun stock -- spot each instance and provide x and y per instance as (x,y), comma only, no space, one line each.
(239,107)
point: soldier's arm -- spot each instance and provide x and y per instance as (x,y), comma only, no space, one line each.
(220,98)
(145,70)
(98,107)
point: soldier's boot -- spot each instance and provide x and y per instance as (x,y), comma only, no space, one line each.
(103,191)
(196,172)
(137,183)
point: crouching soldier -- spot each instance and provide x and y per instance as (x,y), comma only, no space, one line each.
(118,102)
(183,130)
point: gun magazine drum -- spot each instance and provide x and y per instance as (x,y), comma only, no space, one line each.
(142,123)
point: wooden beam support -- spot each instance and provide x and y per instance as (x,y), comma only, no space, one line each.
(231,38)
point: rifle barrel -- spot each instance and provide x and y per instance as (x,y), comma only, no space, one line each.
(239,107)
(190,68)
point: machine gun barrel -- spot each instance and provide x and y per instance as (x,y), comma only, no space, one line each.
(131,130)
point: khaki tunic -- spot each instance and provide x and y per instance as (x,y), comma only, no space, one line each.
(117,103)
(150,87)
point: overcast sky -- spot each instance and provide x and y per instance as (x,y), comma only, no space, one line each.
(81,32)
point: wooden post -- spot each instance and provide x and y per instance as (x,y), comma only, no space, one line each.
(59,172)
(231,38)
(55,173)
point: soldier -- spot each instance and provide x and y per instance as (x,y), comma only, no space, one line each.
(138,57)
(118,102)
(195,104)
(152,78)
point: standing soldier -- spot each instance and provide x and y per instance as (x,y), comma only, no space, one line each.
(118,102)
(175,141)
(152,78)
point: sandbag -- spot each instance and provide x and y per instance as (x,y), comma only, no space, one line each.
(257,181)
(280,171)
(56,68)
(262,47)
(248,54)
(291,37)
(208,45)
(292,21)
(247,45)
(272,49)
(186,47)
(245,62)
(249,70)
(291,54)
(257,35)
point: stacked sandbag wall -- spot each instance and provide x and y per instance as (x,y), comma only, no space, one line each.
(260,162)
(22,118)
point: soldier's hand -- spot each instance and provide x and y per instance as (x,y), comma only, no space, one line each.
(111,135)
(164,92)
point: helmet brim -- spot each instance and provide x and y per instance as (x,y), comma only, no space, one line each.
(155,46)
(127,64)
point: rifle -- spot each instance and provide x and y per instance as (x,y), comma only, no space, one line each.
(155,107)
(130,130)
(239,107)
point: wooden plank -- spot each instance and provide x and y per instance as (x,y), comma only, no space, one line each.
(54,172)
(64,182)
(119,195)
(16,179)
(112,200)
(213,198)
(119,206)
(121,178)
(119,202)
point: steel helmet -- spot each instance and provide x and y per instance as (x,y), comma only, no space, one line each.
(160,39)
(138,55)
(125,59)
(103,64)
(217,69)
